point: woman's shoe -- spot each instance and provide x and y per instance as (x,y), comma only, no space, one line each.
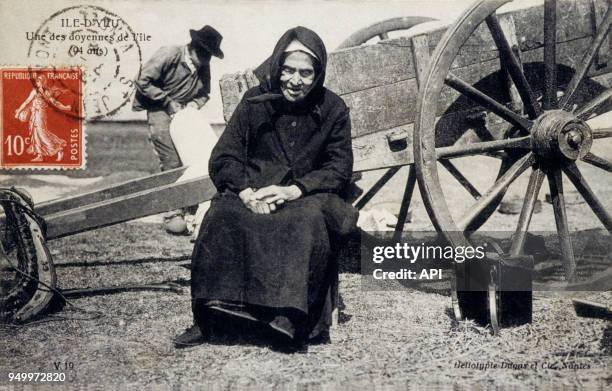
(38,158)
(321,339)
(192,336)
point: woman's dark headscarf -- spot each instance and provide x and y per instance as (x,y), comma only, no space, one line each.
(269,71)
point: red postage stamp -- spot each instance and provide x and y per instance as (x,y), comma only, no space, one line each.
(41,122)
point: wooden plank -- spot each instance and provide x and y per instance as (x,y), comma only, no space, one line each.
(364,67)
(232,87)
(382,107)
(129,207)
(373,151)
(127,187)
(573,21)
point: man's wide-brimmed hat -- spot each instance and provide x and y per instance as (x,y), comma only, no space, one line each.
(207,38)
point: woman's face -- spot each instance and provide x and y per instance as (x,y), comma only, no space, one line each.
(297,75)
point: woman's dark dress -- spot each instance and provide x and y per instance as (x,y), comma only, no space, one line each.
(278,268)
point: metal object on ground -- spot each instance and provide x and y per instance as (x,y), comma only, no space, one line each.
(591,309)
(496,290)
(27,274)
(543,132)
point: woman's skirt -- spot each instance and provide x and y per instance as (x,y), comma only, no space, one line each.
(278,269)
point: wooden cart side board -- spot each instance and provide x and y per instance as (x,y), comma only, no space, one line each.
(129,207)
(109,192)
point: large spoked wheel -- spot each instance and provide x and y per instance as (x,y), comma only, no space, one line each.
(549,139)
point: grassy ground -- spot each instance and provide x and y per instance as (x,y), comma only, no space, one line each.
(395,339)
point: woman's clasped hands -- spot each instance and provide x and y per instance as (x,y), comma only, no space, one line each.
(268,199)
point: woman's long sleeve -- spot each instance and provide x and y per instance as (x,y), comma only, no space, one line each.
(336,163)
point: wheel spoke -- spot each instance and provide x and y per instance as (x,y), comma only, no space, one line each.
(531,196)
(483,133)
(586,62)
(549,100)
(403,213)
(514,67)
(573,173)
(454,171)
(376,187)
(487,102)
(567,252)
(598,161)
(602,133)
(497,190)
(497,155)
(486,146)
(584,112)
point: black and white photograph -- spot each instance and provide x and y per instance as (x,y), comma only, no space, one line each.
(306,195)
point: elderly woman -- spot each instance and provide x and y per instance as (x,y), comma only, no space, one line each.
(265,250)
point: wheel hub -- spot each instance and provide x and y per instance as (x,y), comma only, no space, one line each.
(559,134)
